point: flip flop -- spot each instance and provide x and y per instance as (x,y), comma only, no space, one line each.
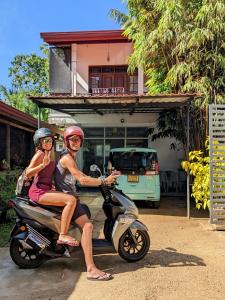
(71,243)
(104,277)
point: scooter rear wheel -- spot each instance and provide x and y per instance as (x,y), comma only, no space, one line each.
(24,258)
(130,250)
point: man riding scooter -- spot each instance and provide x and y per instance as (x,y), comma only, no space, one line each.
(66,175)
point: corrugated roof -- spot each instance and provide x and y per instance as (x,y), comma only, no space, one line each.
(109,104)
(9,114)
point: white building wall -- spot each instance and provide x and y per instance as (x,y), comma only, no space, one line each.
(169,159)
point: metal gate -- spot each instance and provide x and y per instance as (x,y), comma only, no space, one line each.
(217,163)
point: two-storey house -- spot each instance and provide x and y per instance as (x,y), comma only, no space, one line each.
(89,68)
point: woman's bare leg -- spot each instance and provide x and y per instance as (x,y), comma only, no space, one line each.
(61,199)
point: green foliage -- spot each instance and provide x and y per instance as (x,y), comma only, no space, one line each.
(8,180)
(5,230)
(173,124)
(29,74)
(198,166)
(179,44)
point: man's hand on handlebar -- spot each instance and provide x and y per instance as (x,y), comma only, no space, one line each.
(111,179)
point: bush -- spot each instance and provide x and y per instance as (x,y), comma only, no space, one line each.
(198,166)
(8,181)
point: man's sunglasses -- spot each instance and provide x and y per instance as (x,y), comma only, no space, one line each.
(75,139)
(47,140)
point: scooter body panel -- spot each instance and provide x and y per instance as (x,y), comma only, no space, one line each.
(41,215)
(129,206)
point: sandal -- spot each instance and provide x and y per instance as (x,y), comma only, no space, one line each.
(68,241)
(104,277)
(72,243)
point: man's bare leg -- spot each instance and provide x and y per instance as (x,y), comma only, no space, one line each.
(86,243)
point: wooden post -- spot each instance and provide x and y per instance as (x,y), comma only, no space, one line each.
(188,149)
(8,144)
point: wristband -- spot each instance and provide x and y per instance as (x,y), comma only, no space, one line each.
(103,181)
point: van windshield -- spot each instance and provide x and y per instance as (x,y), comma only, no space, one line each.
(133,161)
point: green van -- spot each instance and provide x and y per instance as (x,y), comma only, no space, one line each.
(139,170)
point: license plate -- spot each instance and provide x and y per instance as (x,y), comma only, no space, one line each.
(133,178)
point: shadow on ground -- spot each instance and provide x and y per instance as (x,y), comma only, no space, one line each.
(172,206)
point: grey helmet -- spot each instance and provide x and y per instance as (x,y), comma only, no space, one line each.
(41,133)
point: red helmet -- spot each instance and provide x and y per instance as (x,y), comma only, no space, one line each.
(73,130)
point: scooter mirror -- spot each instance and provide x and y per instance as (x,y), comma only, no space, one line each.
(95,168)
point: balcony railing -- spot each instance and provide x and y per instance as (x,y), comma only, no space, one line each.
(108,91)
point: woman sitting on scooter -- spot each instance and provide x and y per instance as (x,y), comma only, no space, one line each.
(42,168)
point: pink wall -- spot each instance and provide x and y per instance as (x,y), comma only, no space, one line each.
(98,54)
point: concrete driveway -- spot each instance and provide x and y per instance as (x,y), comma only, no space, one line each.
(186,261)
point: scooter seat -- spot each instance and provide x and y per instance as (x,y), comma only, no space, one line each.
(27,200)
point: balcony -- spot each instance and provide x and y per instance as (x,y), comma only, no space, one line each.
(107,91)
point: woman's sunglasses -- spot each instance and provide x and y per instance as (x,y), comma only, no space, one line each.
(47,140)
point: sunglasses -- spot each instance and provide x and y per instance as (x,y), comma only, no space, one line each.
(75,139)
(47,140)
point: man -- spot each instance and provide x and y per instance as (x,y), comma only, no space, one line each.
(66,175)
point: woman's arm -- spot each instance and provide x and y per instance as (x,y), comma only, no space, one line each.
(36,164)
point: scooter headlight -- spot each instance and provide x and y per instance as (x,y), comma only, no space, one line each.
(126,219)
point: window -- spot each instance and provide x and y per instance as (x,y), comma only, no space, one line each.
(133,160)
(133,83)
(112,80)
(95,81)
(139,132)
(115,132)
(94,132)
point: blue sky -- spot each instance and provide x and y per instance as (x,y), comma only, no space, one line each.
(21,22)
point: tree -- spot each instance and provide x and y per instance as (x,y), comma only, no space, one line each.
(29,74)
(180,46)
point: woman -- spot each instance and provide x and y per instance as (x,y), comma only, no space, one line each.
(42,168)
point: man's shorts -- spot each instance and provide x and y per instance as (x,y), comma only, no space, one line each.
(79,211)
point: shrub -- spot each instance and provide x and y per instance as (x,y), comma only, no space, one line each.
(198,166)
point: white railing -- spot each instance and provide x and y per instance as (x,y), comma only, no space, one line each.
(108,91)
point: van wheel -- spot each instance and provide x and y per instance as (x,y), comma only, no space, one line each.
(156,204)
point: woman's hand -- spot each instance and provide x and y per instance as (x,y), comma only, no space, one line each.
(47,158)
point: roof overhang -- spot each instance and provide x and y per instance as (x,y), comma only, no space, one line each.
(16,118)
(83,37)
(113,104)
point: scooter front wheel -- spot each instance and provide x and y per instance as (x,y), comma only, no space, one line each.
(24,258)
(134,248)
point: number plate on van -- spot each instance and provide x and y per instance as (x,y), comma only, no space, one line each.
(133,178)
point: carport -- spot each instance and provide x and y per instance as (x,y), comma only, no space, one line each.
(108,104)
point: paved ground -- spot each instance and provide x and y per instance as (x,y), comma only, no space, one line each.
(186,261)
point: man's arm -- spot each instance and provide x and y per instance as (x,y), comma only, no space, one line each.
(67,162)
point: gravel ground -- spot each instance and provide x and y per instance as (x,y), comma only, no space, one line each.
(186,261)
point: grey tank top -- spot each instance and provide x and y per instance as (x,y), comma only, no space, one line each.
(64,181)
